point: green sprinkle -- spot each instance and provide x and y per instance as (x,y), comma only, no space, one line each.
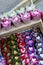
(5,49)
(9,60)
(8,54)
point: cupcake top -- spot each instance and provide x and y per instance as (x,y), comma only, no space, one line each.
(2,59)
(35,13)
(6,22)
(40,49)
(41,55)
(41,62)
(25,15)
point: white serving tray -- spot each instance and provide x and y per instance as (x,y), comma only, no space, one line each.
(20,28)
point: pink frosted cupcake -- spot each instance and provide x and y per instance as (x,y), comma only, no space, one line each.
(36,15)
(34,60)
(16,20)
(25,17)
(6,23)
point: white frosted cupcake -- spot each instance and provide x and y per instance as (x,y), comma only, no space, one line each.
(39,50)
(2,61)
(39,45)
(41,62)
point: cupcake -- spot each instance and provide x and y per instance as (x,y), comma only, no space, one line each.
(34,60)
(21,45)
(25,17)
(16,20)
(28,38)
(40,56)
(39,50)
(22,50)
(30,42)
(39,45)
(41,62)
(2,61)
(38,38)
(6,23)
(36,15)
(30,50)
(27,61)
(22,57)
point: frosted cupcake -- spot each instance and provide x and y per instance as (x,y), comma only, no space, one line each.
(6,23)
(16,20)
(2,61)
(25,17)
(36,15)
(34,60)
(41,62)
(39,45)
(40,56)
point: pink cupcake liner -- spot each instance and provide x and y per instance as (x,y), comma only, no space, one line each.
(25,17)
(6,23)
(16,20)
(36,15)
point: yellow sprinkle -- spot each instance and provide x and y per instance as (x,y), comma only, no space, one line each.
(15,52)
(14,46)
(17,63)
(16,58)
(12,42)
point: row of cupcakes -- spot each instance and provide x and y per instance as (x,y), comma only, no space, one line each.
(39,44)
(15,51)
(30,46)
(5,48)
(22,48)
(16,20)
